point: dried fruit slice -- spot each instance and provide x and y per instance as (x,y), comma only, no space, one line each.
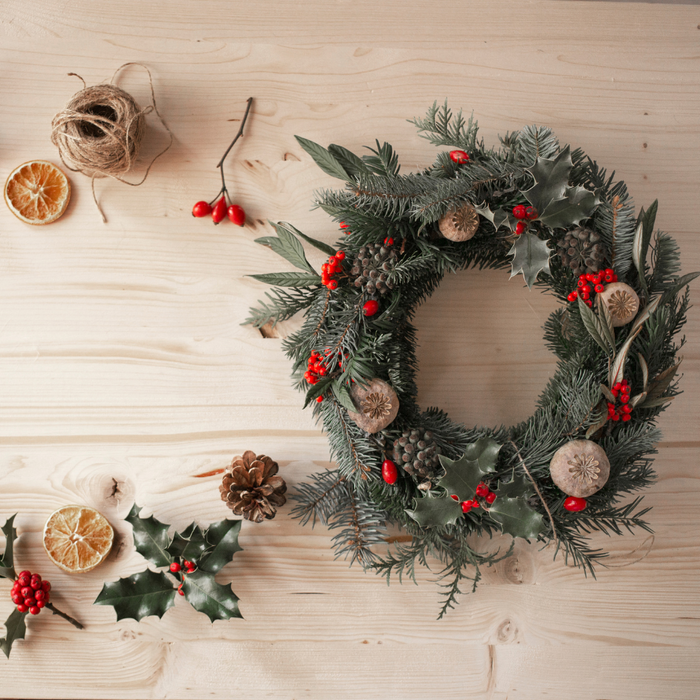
(77,538)
(37,192)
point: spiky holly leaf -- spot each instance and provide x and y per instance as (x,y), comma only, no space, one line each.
(206,595)
(551,177)
(577,204)
(462,476)
(516,517)
(189,544)
(518,486)
(15,628)
(435,512)
(7,561)
(151,537)
(498,218)
(139,595)
(222,538)
(530,256)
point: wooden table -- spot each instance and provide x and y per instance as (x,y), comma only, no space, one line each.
(125,369)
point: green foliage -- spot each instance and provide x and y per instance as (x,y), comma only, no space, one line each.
(15,628)
(7,560)
(378,202)
(152,593)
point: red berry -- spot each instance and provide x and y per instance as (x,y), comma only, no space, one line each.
(466,506)
(573,296)
(36,585)
(29,602)
(175,567)
(342,224)
(22,608)
(370,307)
(626,389)
(26,591)
(319,399)
(201,209)
(389,472)
(40,595)
(45,586)
(17,599)
(25,574)
(585,295)
(24,578)
(475,503)
(454,498)
(490,497)
(340,255)
(219,211)
(388,241)
(481,490)
(574,504)
(519,212)
(333,284)
(40,604)
(236,214)
(180,591)
(34,610)
(626,408)
(322,371)
(581,282)
(520,228)
(531,213)
(624,398)
(459,157)
(589,303)
(599,288)
(589,276)
(587,288)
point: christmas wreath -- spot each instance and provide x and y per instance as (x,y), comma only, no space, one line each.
(556,217)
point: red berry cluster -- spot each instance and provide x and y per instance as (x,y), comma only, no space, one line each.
(219,211)
(316,368)
(574,504)
(30,593)
(332,267)
(523,214)
(482,491)
(459,157)
(621,391)
(189,568)
(590,282)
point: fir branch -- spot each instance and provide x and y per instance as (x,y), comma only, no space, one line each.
(441,129)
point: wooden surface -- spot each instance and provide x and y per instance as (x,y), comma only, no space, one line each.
(124,369)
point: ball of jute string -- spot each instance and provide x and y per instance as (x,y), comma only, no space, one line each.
(99,132)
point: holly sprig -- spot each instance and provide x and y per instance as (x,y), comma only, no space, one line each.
(192,558)
(16,623)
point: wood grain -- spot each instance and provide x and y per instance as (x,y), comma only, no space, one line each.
(125,370)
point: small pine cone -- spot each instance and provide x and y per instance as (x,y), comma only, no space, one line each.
(582,250)
(251,489)
(418,453)
(372,267)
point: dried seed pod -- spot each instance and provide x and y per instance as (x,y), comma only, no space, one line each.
(580,468)
(377,405)
(622,302)
(459,224)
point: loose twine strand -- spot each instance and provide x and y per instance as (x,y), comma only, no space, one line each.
(99,132)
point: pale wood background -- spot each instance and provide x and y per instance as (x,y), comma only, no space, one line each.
(124,369)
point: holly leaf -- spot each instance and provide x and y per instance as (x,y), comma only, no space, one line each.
(551,180)
(288,279)
(497,218)
(577,204)
(464,475)
(317,390)
(206,595)
(436,512)
(222,538)
(139,595)
(7,562)
(15,628)
(151,537)
(189,544)
(516,517)
(530,256)
(518,486)
(324,159)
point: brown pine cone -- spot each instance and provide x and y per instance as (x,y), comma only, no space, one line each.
(251,489)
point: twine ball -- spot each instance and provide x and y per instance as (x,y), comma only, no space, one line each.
(99,132)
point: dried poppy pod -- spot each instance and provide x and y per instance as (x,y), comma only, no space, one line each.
(622,302)
(251,488)
(580,468)
(459,224)
(377,405)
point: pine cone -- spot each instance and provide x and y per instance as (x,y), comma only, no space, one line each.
(417,452)
(582,250)
(372,267)
(251,489)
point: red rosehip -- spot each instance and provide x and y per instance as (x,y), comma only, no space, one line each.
(520,228)
(459,157)
(574,504)
(201,209)
(519,211)
(236,214)
(490,497)
(175,567)
(333,284)
(319,399)
(22,608)
(389,472)
(370,307)
(219,211)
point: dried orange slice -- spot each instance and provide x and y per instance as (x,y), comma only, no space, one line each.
(77,538)
(37,192)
